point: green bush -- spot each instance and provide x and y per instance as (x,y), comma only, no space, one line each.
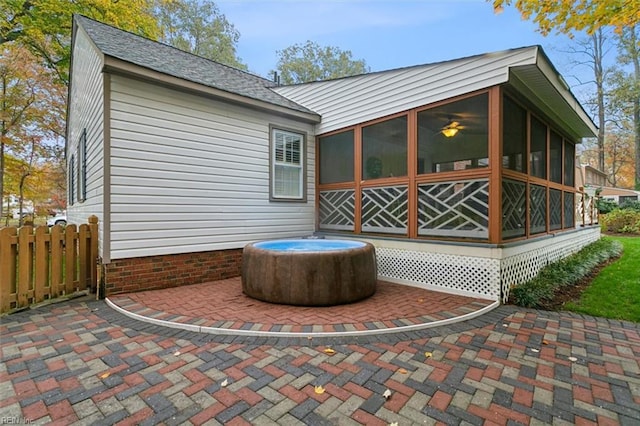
(631,205)
(606,206)
(625,221)
(538,292)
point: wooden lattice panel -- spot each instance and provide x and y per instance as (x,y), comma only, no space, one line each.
(555,209)
(513,208)
(522,267)
(337,210)
(570,206)
(454,209)
(464,274)
(384,209)
(538,208)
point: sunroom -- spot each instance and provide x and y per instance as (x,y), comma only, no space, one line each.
(472,192)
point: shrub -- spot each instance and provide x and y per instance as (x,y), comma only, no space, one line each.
(631,205)
(625,221)
(606,206)
(539,291)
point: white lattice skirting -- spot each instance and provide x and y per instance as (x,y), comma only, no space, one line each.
(476,271)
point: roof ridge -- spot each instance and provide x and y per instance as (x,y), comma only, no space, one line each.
(165,59)
(436,63)
(81,16)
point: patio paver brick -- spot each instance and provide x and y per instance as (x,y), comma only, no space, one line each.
(111,369)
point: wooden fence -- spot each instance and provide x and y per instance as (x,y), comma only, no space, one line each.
(37,264)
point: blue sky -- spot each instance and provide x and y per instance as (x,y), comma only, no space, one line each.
(386,34)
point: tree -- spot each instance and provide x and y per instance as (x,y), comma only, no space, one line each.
(307,62)
(45,26)
(567,16)
(31,111)
(591,16)
(199,27)
(590,52)
(626,95)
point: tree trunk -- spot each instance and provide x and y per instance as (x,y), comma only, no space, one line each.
(598,71)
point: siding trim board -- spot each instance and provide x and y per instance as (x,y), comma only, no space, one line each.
(106,167)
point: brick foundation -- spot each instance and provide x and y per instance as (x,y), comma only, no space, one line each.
(155,272)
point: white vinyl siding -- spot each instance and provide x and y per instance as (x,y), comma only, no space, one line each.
(189,174)
(353,100)
(86,115)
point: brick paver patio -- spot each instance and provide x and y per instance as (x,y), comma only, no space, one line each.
(222,305)
(81,362)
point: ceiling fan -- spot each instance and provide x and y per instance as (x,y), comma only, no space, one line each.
(451,128)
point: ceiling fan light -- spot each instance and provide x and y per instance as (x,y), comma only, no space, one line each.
(450,132)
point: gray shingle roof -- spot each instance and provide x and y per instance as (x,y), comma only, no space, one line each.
(168,60)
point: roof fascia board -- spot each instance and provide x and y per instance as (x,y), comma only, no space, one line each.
(528,93)
(556,80)
(117,66)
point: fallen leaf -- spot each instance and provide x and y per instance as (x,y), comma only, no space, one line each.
(318,389)
(545,342)
(428,354)
(420,300)
(329,351)
(309,337)
(386,394)
(105,375)
(224,383)
(402,371)
(572,359)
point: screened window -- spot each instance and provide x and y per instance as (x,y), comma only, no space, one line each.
(538,155)
(384,149)
(82,167)
(514,136)
(555,160)
(71,187)
(537,209)
(555,209)
(454,136)
(569,163)
(287,168)
(514,214)
(336,158)
(569,209)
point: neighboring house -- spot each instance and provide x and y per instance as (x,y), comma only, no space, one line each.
(592,180)
(590,177)
(620,195)
(461,173)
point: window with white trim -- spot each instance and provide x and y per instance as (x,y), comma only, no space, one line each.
(287,165)
(71,187)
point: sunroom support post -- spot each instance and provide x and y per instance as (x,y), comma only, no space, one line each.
(412,166)
(495,165)
(357,176)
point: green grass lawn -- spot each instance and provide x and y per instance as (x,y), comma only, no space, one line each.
(615,292)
